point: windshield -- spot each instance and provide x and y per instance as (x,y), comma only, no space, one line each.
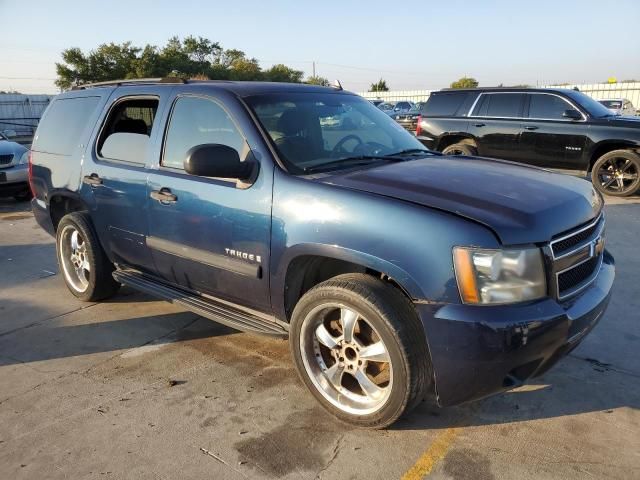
(313,129)
(611,103)
(593,107)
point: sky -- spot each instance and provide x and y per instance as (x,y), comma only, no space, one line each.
(412,45)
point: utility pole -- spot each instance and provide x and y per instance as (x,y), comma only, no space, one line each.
(314,68)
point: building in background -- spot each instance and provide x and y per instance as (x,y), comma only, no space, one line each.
(20,114)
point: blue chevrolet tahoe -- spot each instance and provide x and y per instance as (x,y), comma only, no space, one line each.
(286,209)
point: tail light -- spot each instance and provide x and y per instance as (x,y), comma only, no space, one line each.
(419,125)
(30,171)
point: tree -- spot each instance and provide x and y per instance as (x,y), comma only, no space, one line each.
(379,86)
(282,73)
(465,82)
(323,82)
(193,57)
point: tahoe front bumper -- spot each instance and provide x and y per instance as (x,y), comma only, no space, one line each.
(480,350)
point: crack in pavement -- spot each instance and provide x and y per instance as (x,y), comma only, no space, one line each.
(336,451)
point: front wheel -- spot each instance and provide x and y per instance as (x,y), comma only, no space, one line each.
(617,173)
(360,349)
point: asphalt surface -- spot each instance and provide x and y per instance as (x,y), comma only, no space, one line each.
(137,388)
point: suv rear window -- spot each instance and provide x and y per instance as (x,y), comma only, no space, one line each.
(444,104)
(63,123)
(501,105)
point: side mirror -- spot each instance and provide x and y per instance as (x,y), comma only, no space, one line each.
(215,160)
(572,114)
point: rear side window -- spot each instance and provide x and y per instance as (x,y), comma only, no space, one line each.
(501,105)
(444,104)
(197,121)
(133,117)
(60,129)
(550,107)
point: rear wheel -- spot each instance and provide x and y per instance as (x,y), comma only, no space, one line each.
(84,265)
(617,173)
(464,147)
(360,349)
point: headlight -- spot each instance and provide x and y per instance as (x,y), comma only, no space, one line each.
(499,276)
(24,158)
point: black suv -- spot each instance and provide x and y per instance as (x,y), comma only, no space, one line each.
(554,128)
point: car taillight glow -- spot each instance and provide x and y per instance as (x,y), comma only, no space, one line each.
(419,126)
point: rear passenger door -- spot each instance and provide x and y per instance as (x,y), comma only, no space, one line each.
(114,173)
(548,138)
(496,123)
(213,235)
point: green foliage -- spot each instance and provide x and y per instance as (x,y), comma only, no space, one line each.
(465,82)
(323,82)
(189,58)
(379,86)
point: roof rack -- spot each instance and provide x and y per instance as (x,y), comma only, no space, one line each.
(131,81)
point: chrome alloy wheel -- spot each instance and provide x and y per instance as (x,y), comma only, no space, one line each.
(346,359)
(617,175)
(72,249)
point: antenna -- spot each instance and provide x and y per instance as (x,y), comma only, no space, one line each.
(336,84)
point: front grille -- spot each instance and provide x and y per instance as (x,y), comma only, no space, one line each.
(568,243)
(577,256)
(6,159)
(577,275)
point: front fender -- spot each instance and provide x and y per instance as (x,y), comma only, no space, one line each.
(410,243)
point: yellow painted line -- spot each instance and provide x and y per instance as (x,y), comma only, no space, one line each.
(432,455)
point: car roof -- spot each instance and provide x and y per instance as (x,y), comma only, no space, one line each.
(506,89)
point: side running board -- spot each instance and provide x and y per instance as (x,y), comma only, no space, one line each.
(206,307)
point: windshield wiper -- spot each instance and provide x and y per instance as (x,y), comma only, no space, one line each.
(357,160)
(413,151)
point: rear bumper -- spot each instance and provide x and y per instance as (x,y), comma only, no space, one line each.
(477,351)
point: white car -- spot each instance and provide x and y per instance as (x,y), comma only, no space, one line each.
(619,106)
(14,159)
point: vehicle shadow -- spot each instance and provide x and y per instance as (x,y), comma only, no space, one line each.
(87,333)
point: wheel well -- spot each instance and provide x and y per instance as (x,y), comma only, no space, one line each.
(60,205)
(608,147)
(307,271)
(451,139)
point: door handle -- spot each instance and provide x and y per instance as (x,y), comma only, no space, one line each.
(164,195)
(94,180)
(530,127)
(479,125)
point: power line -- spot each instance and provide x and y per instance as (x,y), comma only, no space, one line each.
(27,78)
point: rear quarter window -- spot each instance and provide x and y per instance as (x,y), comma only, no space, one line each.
(444,104)
(60,128)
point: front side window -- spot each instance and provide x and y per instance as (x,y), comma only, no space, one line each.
(547,107)
(198,121)
(310,130)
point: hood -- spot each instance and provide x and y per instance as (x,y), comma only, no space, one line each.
(520,204)
(622,121)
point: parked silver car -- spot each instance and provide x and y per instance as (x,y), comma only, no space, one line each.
(14,159)
(619,106)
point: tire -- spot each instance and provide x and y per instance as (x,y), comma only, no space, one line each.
(465,147)
(400,370)
(85,267)
(617,173)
